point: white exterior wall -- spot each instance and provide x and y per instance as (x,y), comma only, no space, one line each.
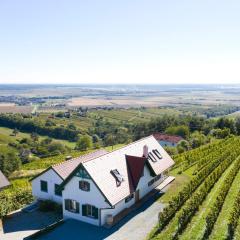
(167,144)
(143,190)
(93,197)
(143,183)
(117,209)
(51,178)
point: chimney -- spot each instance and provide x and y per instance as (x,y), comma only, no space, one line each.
(145,151)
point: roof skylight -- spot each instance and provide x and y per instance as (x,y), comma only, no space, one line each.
(118,177)
(157,153)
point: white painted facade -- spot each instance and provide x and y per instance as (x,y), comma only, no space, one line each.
(97,172)
(167,143)
(52,178)
(95,197)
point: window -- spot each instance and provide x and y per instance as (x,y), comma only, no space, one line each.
(154,180)
(157,153)
(90,211)
(151,182)
(57,191)
(127,199)
(152,157)
(82,174)
(44,186)
(84,186)
(157,177)
(119,178)
(71,205)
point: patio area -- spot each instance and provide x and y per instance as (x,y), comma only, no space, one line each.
(22,224)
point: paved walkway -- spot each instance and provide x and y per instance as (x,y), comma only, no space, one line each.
(135,226)
(21,224)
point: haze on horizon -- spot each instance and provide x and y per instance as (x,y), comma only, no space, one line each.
(159,42)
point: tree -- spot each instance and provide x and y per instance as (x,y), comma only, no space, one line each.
(15,132)
(84,143)
(183,146)
(123,135)
(237,125)
(110,140)
(224,122)
(181,130)
(221,133)
(34,136)
(197,139)
(171,150)
(9,162)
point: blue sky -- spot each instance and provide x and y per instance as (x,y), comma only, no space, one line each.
(127,41)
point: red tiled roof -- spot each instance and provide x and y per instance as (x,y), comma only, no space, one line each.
(167,138)
(135,166)
(3,181)
(65,168)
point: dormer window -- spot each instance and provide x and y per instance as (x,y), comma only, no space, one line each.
(118,177)
(152,157)
(157,153)
(84,186)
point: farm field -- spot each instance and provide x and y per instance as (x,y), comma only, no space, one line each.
(12,108)
(7,136)
(133,115)
(203,208)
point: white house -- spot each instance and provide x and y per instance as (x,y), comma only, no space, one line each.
(99,188)
(46,184)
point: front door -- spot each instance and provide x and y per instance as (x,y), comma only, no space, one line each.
(137,196)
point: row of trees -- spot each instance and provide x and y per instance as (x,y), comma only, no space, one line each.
(234,217)
(216,158)
(198,197)
(216,208)
(17,121)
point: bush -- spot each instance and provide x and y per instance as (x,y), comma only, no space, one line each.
(84,143)
(12,201)
(48,206)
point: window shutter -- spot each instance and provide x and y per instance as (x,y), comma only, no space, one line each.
(88,186)
(84,210)
(77,207)
(95,212)
(66,204)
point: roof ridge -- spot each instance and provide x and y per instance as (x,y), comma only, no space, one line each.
(79,157)
(139,140)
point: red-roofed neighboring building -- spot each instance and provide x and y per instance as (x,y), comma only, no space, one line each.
(166,140)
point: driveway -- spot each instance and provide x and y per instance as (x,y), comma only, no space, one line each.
(135,226)
(21,224)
